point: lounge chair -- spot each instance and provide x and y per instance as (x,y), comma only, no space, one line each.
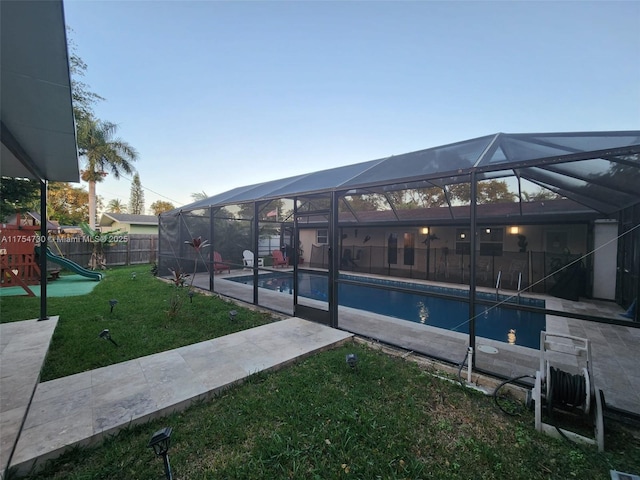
(278,259)
(220,265)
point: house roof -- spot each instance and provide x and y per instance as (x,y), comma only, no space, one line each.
(108,219)
(600,170)
(38,129)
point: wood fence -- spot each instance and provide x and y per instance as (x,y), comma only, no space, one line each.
(139,249)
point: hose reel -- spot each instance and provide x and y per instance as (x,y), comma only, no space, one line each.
(557,390)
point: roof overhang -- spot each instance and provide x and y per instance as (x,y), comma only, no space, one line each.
(38,129)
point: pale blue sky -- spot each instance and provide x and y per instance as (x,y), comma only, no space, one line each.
(216,95)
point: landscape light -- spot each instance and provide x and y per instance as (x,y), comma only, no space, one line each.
(133,275)
(112,303)
(232,315)
(190,296)
(352,360)
(160,442)
(107,336)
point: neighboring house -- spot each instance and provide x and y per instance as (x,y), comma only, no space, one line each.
(132,224)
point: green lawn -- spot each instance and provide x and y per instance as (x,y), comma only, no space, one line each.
(317,419)
(139,323)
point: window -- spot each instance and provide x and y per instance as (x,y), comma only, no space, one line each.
(322,236)
(491,241)
(463,241)
(409,246)
(392,249)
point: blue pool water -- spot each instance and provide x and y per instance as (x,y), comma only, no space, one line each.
(502,324)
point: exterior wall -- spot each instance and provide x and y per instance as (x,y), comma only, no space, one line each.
(132,229)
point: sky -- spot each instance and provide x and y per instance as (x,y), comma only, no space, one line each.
(220,94)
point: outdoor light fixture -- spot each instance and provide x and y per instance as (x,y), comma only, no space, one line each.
(514,230)
(160,442)
(487,230)
(463,236)
(107,336)
(112,303)
(232,315)
(352,360)
(190,296)
(424,230)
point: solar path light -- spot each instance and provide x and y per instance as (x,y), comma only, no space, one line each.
(160,442)
(352,360)
(232,315)
(112,303)
(107,336)
(190,296)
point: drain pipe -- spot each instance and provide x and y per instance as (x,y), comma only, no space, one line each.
(469,363)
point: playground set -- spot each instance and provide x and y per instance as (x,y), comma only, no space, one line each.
(19,258)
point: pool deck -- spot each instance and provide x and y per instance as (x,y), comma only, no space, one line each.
(614,347)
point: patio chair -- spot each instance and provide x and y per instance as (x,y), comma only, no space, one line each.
(247,258)
(279,260)
(219,265)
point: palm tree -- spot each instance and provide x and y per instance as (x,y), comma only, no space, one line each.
(116,206)
(101,151)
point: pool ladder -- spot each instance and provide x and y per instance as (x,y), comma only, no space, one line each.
(499,278)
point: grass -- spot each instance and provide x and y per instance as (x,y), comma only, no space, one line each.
(139,323)
(318,419)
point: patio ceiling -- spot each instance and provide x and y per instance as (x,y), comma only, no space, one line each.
(600,170)
(38,130)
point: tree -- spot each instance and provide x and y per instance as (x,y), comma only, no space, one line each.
(160,206)
(82,98)
(116,206)
(489,191)
(66,204)
(136,199)
(197,196)
(95,138)
(18,194)
(102,152)
(540,195)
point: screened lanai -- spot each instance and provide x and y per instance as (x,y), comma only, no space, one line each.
(481,243)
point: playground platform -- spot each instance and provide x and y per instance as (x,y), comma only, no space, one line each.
(64,286)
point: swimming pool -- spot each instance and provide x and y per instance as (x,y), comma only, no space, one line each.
(498,323)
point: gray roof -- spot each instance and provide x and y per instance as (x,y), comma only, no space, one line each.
(108,218)
(38,130)
(600,170)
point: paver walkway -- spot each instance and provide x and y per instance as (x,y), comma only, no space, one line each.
(81,409)
(23,347)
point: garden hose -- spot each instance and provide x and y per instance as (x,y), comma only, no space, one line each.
(501,385)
